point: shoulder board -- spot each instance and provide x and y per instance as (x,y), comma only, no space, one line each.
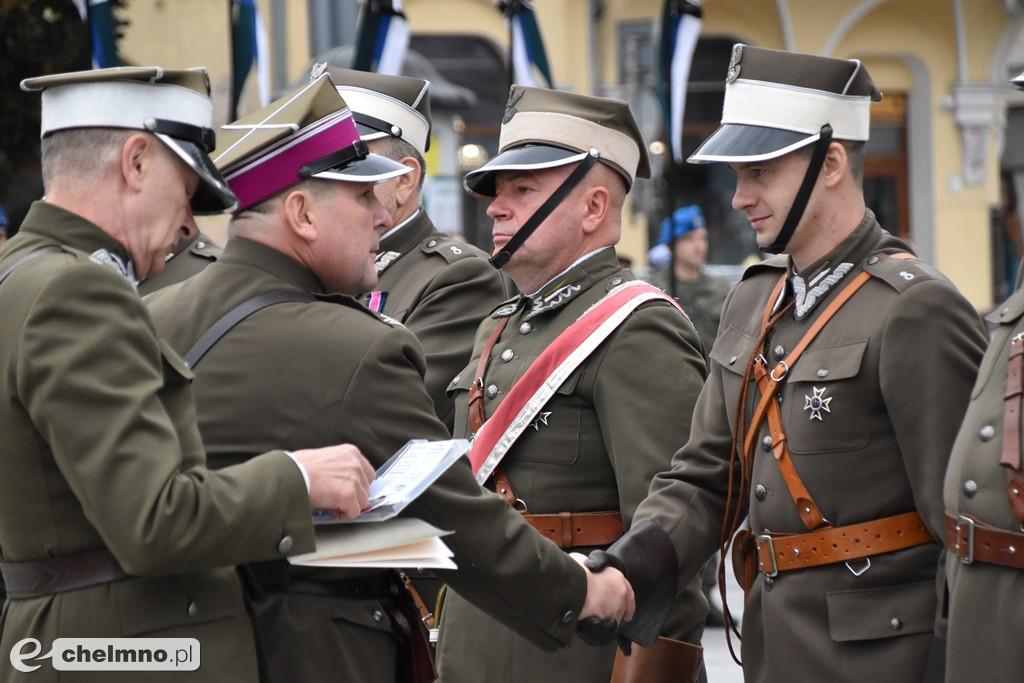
(351,302)
(774,263)
(449,249)
(206,249)
(505,308)
(900,272)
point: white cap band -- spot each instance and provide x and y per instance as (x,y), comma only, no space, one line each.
(758,103)
(414,127)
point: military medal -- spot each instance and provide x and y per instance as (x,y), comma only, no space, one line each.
(817,403)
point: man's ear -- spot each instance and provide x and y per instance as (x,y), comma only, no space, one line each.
(135,160)
(410,182)
(302,214)
(596,204)
(836,165)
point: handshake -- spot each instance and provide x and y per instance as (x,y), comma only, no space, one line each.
(633,580)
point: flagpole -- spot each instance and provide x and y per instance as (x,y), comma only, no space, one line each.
(510,69)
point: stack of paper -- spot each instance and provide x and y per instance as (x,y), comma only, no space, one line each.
(397,542)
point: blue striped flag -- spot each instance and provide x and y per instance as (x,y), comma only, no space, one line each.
(99,20)
(383,38)
(248,47)
(680,29)
(528,58)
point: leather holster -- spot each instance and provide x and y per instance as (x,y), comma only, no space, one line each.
(668,661)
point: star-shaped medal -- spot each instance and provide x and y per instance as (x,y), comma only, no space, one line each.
(817,403)
(543,419)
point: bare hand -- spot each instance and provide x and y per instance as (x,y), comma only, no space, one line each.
(609,595)
(339,478)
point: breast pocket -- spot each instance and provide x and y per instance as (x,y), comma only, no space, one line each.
(824,406)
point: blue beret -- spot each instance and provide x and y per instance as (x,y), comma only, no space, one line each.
(682,221)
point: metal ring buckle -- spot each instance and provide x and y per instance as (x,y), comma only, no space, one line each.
(963,521)
(785,371)
(859,571)
(771,550)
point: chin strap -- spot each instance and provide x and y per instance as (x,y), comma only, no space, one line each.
(796,211)
(503,256)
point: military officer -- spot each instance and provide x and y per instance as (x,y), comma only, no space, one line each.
(193,252)
(701,294)
(984,517)
(308,226)
(817,419)
(588,454)
(110,524)
(436,286)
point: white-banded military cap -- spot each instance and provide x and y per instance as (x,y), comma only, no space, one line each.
(777,102)
(386,106)
(174,105)
(548,128)
(307,134)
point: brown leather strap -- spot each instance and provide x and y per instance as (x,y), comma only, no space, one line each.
(578,529)
(974,541)
(667,661)
(36,578)
(1012,403)
(504,488)
(426,616)
(785,552)
(476,392)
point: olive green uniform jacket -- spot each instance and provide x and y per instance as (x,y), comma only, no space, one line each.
(188,258)
(897,362)
(100,450)
(301,375)
(440,289)
(702,300)
(985,625)
(595,446)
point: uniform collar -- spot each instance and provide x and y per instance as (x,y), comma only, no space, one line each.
(578,278)
(404,237)
(241,251)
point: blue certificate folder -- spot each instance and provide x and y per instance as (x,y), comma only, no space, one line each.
(403,477)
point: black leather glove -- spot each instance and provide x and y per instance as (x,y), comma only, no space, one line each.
(647,558)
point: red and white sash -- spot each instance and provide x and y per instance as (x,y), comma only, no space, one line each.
(540,382)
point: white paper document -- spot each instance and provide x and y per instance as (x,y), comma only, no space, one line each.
(398,542)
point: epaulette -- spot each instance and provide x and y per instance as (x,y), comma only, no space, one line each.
(901,273)
(773,263)
(505,308)
(449,249)
(351,302)
(205,248)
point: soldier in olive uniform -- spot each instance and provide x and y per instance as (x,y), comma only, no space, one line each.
(308,227)
(110,524)
(437,287)
(590,451)
(984,518)
(193,252)
(847,515)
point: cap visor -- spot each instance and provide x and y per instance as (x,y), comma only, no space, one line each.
(373,168)
(213,195)
(526,158)
(734,142)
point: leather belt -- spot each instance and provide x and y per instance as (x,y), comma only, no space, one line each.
(785,552)
(974,541)
(577,529)
(37,578)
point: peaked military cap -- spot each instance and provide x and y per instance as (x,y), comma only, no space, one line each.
(307,134)
(777,102)
(386,106)
(174,105)
(548,128)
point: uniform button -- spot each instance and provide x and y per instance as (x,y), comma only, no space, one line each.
(507,355)
(970,488)
(760,492)
(432,243)
(1004,311)
(378,615)
(986,433)
(567,617)
(616,281)
(779,352)
(526,328)
(456,379)
(896,623)
(873,260)
(285,545)
(823,372)
(733,360)
(201,244)
(766,443)
(193,609)
(492,391)
(769,583)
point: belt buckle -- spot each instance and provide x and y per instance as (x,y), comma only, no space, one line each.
(963,521)
(771,550)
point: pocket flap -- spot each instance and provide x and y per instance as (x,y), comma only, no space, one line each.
(874,613)
(827,363)
(150,605)
(732,349)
